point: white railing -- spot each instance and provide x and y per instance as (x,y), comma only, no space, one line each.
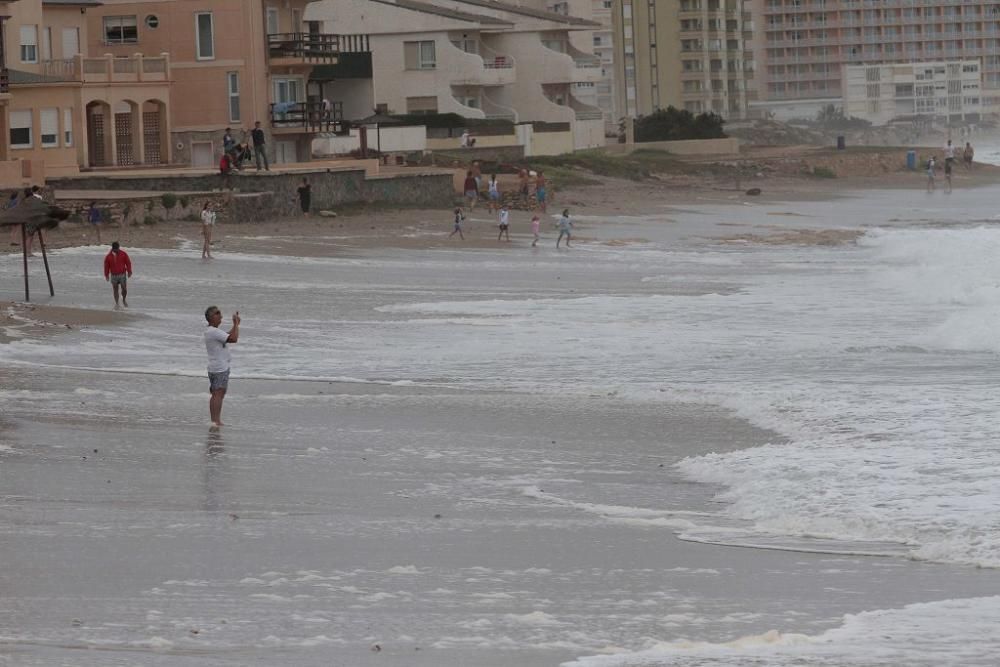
(494,60)
(494,109)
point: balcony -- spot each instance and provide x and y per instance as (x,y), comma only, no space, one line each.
(106,70)
(299,117)
(496,110)
(290,49)
(484,67)
(574,67)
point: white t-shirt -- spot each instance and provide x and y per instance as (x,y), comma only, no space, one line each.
(464,140)
(218,351)
(504,216)
(208,217)
(949,151)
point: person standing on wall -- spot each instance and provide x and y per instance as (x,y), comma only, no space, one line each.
(259,145)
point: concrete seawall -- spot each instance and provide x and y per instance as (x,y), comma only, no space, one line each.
(257,197)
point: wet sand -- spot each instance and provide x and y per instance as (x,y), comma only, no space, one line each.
(442,524)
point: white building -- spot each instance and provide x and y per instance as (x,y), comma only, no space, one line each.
(476,58)
(883,92)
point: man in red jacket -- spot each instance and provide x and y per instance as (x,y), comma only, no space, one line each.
(117,270)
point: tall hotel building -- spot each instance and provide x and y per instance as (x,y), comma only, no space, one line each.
(690,54)
(803,47)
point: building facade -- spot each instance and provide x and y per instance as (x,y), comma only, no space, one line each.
(475,58)
(689,54)
(804,46)
(64,108)
(233,63)
(942,90)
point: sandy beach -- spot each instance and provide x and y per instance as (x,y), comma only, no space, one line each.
(719,431)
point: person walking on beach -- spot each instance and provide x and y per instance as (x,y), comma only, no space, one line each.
(217,345)
(117,271)
(967,155)
(931,164)
(207,225)
(471,189)
(504,223)
(259,146)
(477,173)
(949,152)
(494,193)
(947,177)
(305,196)
(565,227)
(540,191)
(522,178)
(535,224)
(459,218)
(94,218)
(33,192)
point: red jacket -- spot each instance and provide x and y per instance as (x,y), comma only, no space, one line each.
(117,263)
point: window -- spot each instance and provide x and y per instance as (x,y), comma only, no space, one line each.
(67,127)
(233,79)
(70,42)
(205,39)
(46,43)
(120,30)
(419,55)
(272,21)
(50,127)
(29,44)
(421,105)
(20,129)
(152,22)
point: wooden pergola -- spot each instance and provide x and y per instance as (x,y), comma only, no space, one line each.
(33,215)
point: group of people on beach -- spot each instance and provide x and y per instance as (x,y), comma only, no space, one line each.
(252,146)
(565,225)
(472,188)
(968,153)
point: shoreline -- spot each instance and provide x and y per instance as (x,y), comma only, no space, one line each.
(373,227)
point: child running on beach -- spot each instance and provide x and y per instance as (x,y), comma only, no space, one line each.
(535,224)
(459,217)
(504,223)
(207,225)
(494,193)
(565,227)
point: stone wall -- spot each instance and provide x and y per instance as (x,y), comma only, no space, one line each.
(272,195)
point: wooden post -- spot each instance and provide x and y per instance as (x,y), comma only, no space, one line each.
(45,260)
(24,253)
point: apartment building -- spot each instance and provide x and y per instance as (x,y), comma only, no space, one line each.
(691,54)
(804,46)
(233,63)
(64,108)
(880,93)
(475,58)
(604,49)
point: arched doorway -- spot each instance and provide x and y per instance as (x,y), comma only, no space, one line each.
(154,132)
(99,131)
(127,134)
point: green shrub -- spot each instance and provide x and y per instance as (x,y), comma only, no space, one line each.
(673,124)
(823,172)
(183,201)
(150,220)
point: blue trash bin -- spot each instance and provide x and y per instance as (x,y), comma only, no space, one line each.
(911,160)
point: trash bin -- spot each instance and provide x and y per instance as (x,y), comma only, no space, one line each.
(841,143)
(911,160)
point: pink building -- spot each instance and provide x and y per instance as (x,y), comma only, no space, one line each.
(802,46)
(233,63)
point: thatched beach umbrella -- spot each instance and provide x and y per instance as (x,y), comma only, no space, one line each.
(33,215)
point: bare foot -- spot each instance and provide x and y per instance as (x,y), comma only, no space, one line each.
(125,303)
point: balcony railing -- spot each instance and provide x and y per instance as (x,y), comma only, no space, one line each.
(107,69)
(307,116)
(303,46)
(4,80)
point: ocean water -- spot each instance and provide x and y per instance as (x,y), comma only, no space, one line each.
(874,363)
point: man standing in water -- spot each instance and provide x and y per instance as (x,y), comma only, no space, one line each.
(117,271)
(216,343)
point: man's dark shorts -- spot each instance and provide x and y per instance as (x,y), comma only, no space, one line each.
(218,381)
